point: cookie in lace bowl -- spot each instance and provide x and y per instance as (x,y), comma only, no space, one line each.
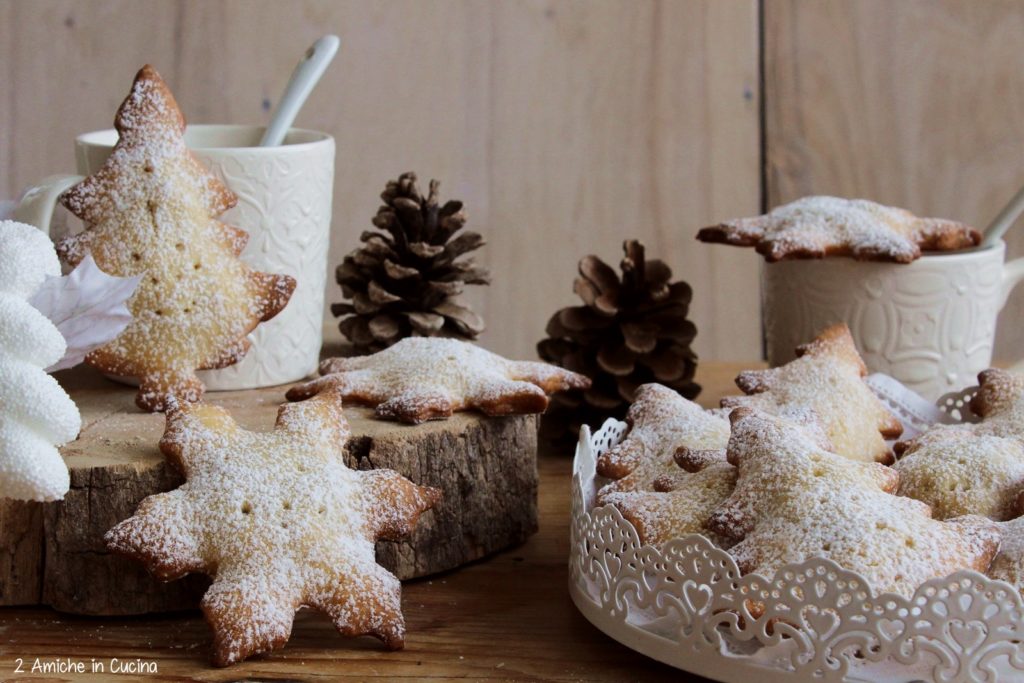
(687,604)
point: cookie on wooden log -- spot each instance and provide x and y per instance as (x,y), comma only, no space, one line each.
(485,466)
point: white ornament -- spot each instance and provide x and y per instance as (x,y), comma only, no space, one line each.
(36,415)
(89,308)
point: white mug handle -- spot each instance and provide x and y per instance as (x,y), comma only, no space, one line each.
(37,204)
(1013,273)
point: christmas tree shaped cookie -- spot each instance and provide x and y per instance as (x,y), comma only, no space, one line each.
(679,503)
(35,413)
(279,522)
(794,500)
(661,423)
(825,384)
(151,209)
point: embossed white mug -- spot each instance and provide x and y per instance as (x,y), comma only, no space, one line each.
(930,323)
(284,203)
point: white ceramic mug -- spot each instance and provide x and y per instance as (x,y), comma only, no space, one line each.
(284,203)
(930,324)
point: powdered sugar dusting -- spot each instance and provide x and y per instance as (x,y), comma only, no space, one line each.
(36,414)
(958,473)
(1009,563)
(794,501)
(151,210)
(822,393)
(1000,402)
(827,379)
(279,521)
(818,226)
(424,378)
(661,516)
(661,423)
(972,468)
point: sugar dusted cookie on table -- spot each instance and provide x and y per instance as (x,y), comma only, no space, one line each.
(661,422)
(819,226)
(429,378)
(279,522)
(36,414)
(151,209)
(793,500)
(828,379)
(971,468)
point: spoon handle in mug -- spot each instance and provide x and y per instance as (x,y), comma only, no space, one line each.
(304,78)
(1006,218)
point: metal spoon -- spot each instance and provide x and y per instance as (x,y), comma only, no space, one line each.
(1006,218)
(304,78)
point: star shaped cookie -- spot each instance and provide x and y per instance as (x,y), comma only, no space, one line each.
(972,468)
(679,504)
(815,227)
(793,500)
(827,379)
(429,378)
(279,522)
(661,422)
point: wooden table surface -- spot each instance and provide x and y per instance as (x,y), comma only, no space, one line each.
(508,617)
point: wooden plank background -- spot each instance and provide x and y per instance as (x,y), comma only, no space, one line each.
(566,127)
(917,103)
(570,125)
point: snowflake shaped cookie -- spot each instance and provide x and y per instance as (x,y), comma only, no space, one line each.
(794,500)
(826,380)
(279,522)
(661,422)
(815,227)
(972,468)
(429,378)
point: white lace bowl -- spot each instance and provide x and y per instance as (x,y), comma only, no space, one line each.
(685,605)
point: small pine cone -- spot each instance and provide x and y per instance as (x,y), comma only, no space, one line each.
(406,277)
(629,331)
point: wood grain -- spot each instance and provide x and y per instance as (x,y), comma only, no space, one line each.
(917,103)
(22,548)
(566,126)
(507,618)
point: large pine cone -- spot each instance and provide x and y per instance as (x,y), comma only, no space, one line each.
(405,281)
(630,331)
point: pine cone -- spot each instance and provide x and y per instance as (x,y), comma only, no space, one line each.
(628,332)
(404,281)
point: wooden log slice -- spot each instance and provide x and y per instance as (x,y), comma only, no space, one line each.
(53,553)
